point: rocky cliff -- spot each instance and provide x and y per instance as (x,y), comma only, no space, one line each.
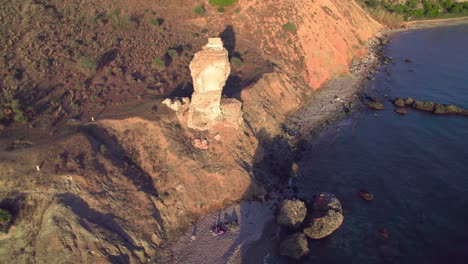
(115,189)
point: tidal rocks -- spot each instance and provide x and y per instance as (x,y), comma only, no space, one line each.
(399,102)
(366,195)
(443,109)
(409,101)
(294,246)
(292,213)
(374,104)
(327,216)
(424,105)
(401,111)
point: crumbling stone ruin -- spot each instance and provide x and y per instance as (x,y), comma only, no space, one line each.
(210,69)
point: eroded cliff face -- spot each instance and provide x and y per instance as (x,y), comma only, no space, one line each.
(114,190)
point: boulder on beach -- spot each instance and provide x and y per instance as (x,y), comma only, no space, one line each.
(327,216)
(294,246)
(374,104)
(409,101)
(399,102)
(292,213)
(401,111)
(424,106)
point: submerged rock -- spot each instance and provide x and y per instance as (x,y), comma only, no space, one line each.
(424,106)
(294,246)
(401,111)
(374,104)
(327,216)
(292,213)
(366,195)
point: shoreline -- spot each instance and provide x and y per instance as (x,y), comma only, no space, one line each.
(431,23)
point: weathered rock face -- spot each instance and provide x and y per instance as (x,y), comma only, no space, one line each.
(327,216)
(424,106)
(210,69)
(294,246)
(292,213)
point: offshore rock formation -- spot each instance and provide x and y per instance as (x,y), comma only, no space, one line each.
(210,69)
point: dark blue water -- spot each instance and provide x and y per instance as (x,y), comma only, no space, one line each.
(415,165)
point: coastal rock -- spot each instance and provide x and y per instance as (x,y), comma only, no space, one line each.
(374,104)
(401,111)
(327,216)
(210,69)
(292,213)
(409,101)
(399,102)
(366,195)
(295,246)
(424,106)
(443,109)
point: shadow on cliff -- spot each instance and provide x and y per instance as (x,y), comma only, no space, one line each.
(272,169)
(106,223)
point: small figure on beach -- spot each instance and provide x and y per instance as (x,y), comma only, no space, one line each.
(219,229)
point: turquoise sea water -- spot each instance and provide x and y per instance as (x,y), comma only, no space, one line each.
(415,165)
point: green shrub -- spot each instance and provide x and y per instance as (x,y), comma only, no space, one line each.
(86,64)
(154,22)
(5,216)
(158,63)
(222,3)
(103,149)
(290,27)
(221,9)
(173,54)
(204,30)
(236,61)
(200,10)
(119,20)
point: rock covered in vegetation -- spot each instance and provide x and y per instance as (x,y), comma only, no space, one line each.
(294,246)
(424,106)
(327,216)
(292,213)
(399,102)
(409,101)
(443,109)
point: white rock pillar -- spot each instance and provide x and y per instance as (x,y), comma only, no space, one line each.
(210,69)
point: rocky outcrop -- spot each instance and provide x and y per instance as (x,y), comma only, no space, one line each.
(179,105)
(424,106)
(443,109)
(399,102)
(210,69)
(294,246)
(292,213)
(327,216)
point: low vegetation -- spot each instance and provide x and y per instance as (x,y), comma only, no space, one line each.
(200,10)
(290,27)
(5,216)
(417,9)
(158,63)
(222,3)
(86,64)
